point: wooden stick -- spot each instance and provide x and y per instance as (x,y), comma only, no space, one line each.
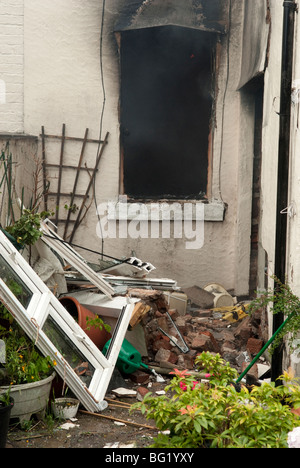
(118,420)
(116,401)
(118,406)
(60,171)
(79,219)
(59,137)
(75,182)
(67,166)
(44,170)
(64,194)
(28,436)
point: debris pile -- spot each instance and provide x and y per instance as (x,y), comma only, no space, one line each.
(174,340)
(169,326)
(154,325)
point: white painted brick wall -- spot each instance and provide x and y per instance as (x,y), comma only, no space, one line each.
(11,66)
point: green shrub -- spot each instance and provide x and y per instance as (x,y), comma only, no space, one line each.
(26,230)
(215,413)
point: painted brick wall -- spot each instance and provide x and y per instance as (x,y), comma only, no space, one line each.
(11,66)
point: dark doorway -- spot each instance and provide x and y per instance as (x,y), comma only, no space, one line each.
(166,106)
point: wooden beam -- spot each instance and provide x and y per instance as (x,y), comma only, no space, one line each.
(139,311)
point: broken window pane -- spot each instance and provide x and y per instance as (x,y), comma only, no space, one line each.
(69,351)
(15,284)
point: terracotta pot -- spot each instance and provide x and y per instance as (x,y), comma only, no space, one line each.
(80,314)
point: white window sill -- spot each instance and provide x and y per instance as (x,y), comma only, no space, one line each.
(214,211)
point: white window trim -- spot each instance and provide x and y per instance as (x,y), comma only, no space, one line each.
(44,304)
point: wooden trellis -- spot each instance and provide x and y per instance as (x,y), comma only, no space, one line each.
(62,166)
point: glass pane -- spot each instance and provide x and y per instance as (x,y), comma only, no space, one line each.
(69,351)
(15,284)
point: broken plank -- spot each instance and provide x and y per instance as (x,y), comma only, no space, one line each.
(139,311)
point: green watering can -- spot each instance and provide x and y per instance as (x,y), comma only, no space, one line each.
(129,359)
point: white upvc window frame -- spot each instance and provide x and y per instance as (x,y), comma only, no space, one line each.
(43,304)
(65,251)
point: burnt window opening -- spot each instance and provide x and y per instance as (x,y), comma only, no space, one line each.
(165,112)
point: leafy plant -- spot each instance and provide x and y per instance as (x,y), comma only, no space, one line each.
(97,322)
(5,399)
(214,413)
(26,230)
(24,363)
(281,299)
(72,208)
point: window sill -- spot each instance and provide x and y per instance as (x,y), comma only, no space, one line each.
(214,211)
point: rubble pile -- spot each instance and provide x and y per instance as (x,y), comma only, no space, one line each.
(174,340)
(146,323)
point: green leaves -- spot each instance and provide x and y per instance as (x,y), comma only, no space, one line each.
(281,299)
(24,363)
(200,414)
(217,370)
(26,230)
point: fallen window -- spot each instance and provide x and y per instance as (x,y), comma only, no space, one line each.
(43,318)
(166,107)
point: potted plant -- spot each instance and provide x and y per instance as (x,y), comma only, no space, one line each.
(65,407)
(93,325)
(27,374)
(6,405)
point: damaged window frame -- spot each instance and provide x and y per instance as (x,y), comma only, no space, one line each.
(214,21)
(205,158)
(44,305)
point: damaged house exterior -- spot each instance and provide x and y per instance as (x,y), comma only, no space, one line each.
(175,108)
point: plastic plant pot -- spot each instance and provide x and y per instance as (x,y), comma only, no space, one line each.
(65,408)
(5,412)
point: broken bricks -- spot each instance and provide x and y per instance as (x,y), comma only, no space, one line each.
(202,330)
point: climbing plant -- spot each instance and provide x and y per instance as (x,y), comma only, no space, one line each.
(281,299)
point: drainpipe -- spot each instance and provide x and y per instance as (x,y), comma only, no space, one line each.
(283,166)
